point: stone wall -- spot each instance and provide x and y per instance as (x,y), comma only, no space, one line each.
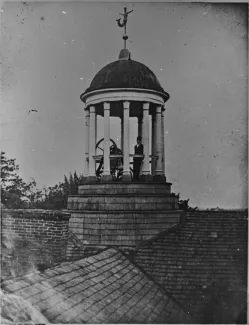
(124,229)
(122,214)
(32,239)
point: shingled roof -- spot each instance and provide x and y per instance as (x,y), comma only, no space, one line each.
(104,288)
(203,265)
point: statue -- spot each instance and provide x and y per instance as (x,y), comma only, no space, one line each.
(125,15)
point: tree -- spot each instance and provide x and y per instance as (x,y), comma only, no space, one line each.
(76,182)
(33,194)
(15,192)
(183,204)
(13,188)
(66,186)
(72,186)
(56,198)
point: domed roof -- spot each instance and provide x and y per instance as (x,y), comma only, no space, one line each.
(125,73)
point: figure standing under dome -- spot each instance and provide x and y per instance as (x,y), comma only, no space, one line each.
(137,161)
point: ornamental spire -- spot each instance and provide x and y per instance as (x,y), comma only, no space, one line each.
(124,23)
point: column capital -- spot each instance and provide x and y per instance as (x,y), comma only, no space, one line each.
(159,109)
(106,105)
(92,109)
(126,105)
(146,106)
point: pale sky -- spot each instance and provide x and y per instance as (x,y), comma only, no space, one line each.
(51,51)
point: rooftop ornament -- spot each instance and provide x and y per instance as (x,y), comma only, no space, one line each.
(124,23)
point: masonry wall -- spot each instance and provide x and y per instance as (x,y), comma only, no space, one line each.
(32,239)
(122,214)
(124,229)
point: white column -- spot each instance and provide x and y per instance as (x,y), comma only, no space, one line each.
(163,147)
(122,133)
(145,139)
(159,166)
(92,142)
(153,144)
(87,116)
(106,170)
(140,125)
(96,127)
(126,152)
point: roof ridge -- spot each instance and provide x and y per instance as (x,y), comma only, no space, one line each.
(167,294)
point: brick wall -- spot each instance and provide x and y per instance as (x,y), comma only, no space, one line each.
(32,239)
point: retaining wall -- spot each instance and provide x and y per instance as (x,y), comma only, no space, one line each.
(33,239)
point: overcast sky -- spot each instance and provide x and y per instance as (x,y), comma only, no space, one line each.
(51,52)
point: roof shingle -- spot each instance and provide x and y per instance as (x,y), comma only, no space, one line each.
(104,288)
(204,260)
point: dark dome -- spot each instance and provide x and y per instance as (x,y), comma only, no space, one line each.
(125,74)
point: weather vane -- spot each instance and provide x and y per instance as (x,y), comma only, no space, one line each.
(124,23)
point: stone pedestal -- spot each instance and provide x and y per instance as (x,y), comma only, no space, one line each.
(159,178)
(146,178)
(122,214)
(105,178)
(89,179)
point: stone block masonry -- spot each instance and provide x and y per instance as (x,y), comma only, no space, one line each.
(123,229)
(32,239)
(122,215)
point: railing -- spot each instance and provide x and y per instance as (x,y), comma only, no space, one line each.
(99,157)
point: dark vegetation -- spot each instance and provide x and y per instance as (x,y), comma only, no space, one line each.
(18,194)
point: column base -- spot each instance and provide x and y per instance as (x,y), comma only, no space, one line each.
(105,178)
(88,179)
(126,177)
(146,178)
(84,179)
(159,178)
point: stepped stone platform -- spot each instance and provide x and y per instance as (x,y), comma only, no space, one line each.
(118,214)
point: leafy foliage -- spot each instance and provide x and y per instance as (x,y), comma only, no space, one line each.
(15,193)
(13,189)
(183,204)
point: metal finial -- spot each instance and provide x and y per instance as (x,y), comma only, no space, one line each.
(124,23)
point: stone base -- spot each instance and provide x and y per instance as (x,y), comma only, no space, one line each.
(120,188)
(89,179)
(105,178)
(84,180)
(126,177)
(122,214)
(124,229)
(145,178)
(159,178)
